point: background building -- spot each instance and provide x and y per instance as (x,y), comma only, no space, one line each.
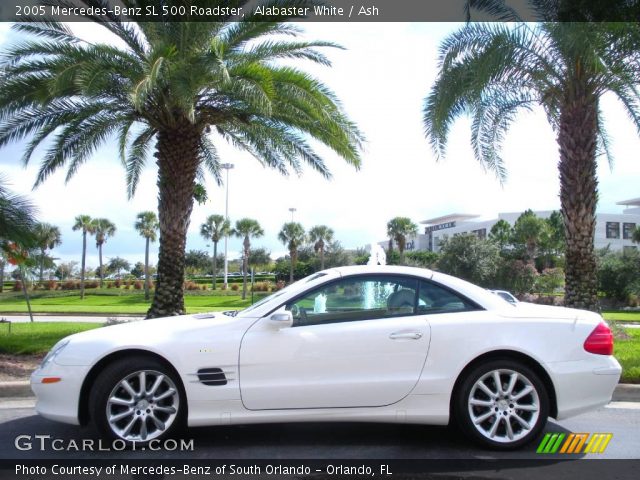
(612,229)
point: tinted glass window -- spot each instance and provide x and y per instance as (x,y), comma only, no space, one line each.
(355,299)
(433,298)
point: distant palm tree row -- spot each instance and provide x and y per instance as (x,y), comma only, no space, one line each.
(292,235)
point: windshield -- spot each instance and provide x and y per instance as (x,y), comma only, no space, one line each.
(286,289)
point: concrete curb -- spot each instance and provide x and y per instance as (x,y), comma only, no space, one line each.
(627,392)
(17,389)
(624,392)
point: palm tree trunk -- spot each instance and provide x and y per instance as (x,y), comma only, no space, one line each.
(294,257)
(100,262)
(245,263)
(1,275)
(146,270)
(322,258)
(177,160)
(215,265)
(578,197)
(82,263)
(41,276)
(26,292)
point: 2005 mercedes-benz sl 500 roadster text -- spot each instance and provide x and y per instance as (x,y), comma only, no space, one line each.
(368,343)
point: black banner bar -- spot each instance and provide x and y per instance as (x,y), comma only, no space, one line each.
(525,469)
(316,10)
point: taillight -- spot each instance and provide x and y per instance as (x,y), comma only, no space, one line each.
(600,341)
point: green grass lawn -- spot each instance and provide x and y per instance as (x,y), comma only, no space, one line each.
(38,337)
(131,303)
(628,354)
(621,316)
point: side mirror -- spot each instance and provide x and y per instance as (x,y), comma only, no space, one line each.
(281,319)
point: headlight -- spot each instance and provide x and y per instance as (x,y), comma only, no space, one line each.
(57,348)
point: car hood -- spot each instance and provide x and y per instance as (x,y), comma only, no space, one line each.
(156,335)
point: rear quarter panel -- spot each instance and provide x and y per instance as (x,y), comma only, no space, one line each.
(459,338)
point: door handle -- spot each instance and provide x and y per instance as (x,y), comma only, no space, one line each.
(405,335)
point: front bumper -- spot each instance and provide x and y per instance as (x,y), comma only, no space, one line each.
(59,401)
(584,385)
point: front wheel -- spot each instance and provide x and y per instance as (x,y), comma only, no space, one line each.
(502,405)
(137,400)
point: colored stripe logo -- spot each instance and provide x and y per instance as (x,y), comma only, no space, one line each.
(574,443)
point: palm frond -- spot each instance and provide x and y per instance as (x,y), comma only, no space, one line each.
(137,156)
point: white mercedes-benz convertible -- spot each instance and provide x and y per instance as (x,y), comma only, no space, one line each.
(369,343)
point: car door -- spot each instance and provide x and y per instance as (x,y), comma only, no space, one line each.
(355,342)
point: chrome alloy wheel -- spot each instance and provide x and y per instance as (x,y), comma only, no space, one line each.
(142,406)
(504,405)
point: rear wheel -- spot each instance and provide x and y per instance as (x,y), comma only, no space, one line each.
(137,400)
(502,405)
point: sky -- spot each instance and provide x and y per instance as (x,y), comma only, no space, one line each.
(382,79)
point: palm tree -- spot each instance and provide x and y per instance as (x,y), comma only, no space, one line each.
(292,235)
(176,87)
(635,236)
(47,237)
(17,218)
(85,224)
(215,227)
(246,228)
(320,235)
(102,229)
(492,71)
(398,229)
(147,226)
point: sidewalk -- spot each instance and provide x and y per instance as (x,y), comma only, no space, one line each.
(54,317)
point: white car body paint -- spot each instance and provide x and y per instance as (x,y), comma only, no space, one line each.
(349,371)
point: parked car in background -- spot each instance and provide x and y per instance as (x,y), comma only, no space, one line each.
(508,296)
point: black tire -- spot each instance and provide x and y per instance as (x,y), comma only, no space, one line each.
(148,408)
(504,405)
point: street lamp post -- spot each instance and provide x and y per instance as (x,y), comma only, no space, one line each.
(227,167)
(292,210)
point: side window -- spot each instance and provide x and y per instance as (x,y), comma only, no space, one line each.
(355,299)
(433,298)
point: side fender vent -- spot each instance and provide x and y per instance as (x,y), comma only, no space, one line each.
(212,376)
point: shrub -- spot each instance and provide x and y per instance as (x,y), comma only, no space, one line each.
(51,285)
(189,285)
(279,285)
(421,258)
(138,285)
(235,287)
(517,276)
(17,286)
(550,280)
(619,275)
(261,286)
(470,258)
(91,284)
(70,285)
(118,283)
(109,284)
